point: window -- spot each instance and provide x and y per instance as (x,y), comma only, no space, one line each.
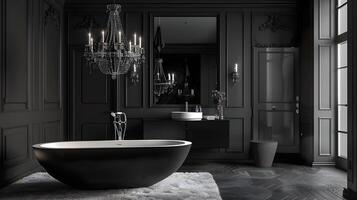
(342,71)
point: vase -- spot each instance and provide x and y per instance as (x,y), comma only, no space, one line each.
(220,111)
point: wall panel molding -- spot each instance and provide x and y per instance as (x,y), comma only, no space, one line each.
(94,131)
(52,131)
(94,85)
(15,145)
(325,136)
(237,134)
(51,57)
(15,72)
(24,119)
(134,93)
(324,20)
(324,77)
(235,47)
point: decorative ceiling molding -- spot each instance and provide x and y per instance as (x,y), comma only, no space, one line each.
(51,14)
(274,24)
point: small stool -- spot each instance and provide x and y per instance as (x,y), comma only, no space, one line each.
(263,152)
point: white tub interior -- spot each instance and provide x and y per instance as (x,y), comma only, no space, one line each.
(113,144)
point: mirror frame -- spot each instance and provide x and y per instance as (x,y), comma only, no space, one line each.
(151,52)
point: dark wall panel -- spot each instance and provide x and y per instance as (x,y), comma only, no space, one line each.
(52,131)
(52,57)
(235,36)
(31,68)
(16,67)
(134,92)
(90,93)
(94,85)
(94,131)
(15,145)
(164,129)
(237,135)
(134,129)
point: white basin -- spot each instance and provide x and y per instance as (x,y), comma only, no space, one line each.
(186,116)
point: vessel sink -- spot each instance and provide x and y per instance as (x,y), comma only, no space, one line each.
(186,116)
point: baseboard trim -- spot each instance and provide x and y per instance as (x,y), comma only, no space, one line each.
(316,164)
(349,194)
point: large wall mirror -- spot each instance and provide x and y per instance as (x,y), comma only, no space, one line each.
(185,60)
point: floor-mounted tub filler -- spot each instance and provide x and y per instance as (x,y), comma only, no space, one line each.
(112,163)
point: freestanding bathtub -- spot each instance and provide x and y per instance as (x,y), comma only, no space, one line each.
(112,163)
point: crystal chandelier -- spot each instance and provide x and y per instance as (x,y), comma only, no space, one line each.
(113,54)
(186,91)
(162,84)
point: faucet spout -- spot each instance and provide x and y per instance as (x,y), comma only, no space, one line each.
(119,123)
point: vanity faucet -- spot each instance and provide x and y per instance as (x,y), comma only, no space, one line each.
(186,106)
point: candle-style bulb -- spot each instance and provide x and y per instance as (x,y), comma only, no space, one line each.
(158,76)
(103,36)
(169,76)
(119,36)
(235,68)
(129,46)
(134,68)
(140,42)
(134,38)
(173,77)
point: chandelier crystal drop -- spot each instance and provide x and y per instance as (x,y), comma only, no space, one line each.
(113,54)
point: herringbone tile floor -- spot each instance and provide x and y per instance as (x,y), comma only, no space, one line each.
(281,182)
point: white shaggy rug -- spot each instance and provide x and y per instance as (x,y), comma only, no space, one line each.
(188,186)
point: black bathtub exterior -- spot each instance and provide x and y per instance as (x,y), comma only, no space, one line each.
(119,166)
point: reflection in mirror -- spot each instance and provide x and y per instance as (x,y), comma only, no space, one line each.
(185,60)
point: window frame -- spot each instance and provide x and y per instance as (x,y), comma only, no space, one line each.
(340,39)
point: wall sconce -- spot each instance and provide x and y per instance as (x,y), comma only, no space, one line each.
(236,74)
(134,75)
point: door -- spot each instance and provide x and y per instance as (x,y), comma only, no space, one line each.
(276,99)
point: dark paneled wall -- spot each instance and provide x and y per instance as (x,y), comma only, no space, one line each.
(31,59)
(239,28)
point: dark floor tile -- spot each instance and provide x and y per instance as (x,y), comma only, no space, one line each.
(281,182)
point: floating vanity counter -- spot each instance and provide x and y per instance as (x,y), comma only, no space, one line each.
(202,133)
(186,116)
